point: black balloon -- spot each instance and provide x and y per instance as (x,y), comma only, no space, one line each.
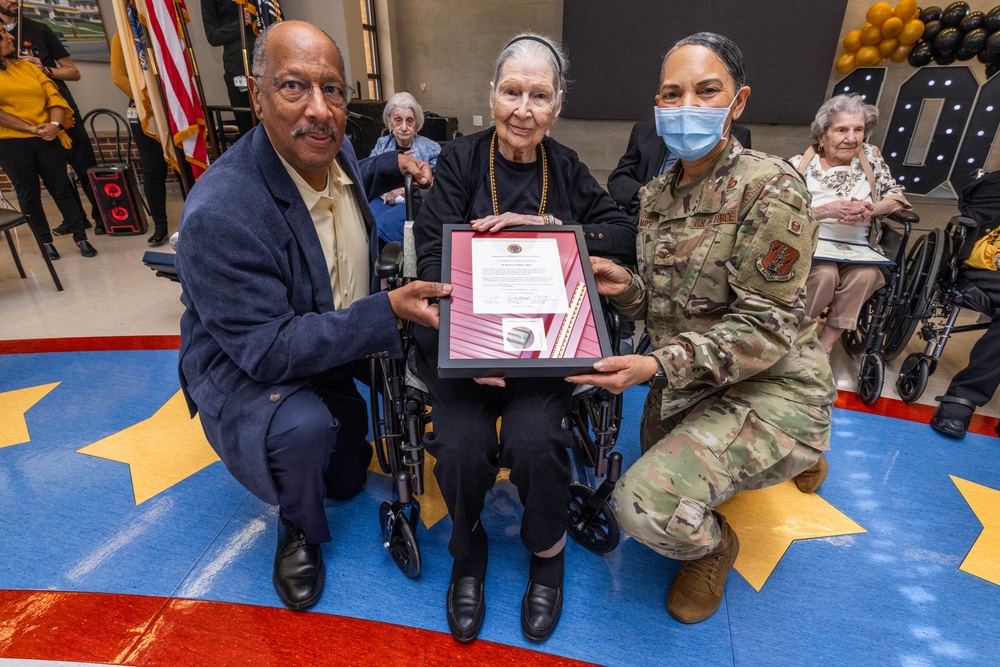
(972,22)
(954,13)
(946,58)
(948,39)
(974,41)
(921,54)
(964,54)
(987,57)
(930,14)
(992,19)
(993,42)
(931,30)
(992,69)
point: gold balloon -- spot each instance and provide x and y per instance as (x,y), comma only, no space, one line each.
(901,53)
(878,13)
(905,9)
(887,46)
(867,56)
(871,34)
(845,63)
(911,32)
(892,27)
(852,42)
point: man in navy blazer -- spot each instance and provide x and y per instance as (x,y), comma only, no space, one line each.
(275,261)
(646,158)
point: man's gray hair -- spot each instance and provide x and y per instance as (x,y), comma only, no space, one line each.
(259,64)
(721,46)
(851,105)
(530,46)
(403,101)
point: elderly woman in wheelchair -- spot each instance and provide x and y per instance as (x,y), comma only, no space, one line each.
(851,186)
(511,174)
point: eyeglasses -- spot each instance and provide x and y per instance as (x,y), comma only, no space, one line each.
(295,89)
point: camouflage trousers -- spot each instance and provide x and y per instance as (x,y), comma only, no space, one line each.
(695,461)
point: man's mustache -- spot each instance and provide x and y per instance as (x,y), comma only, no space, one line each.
(314,128)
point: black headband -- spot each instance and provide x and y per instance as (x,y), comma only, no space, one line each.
(555,54)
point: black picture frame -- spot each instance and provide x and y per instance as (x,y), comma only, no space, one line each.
(520,367)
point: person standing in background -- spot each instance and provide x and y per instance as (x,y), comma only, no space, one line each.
(40,46)
(223,20)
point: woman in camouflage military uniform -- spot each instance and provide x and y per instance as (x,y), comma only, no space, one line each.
(741,392)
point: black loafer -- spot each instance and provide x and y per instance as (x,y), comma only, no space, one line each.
(952,417)
(51,251)
(466,608)
(299,573)
(540,611)
(86,249)
(157,239)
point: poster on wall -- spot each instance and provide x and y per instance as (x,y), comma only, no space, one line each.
(77,23)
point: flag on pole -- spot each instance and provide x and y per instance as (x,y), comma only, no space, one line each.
(264,12)
(162,18)
(145,91)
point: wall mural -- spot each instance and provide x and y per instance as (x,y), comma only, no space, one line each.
(78,24)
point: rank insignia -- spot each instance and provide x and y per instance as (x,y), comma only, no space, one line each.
(794,226)
(776,264)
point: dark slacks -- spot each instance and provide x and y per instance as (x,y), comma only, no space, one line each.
(154,175)
(978,381)
(532,444)
(317,448)
(82,158)
(24,160)
(239,98)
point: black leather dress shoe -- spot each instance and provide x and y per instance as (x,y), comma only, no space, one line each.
(157,239)
(299,573)
(51,251)
(952,417)
(86,249)
(466,608)
(540,611)
(99,228)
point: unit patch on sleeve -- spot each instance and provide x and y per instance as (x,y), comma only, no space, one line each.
(776,265)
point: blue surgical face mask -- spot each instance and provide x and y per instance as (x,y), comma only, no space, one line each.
(691,133)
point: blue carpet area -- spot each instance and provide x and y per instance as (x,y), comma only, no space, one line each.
(891,596)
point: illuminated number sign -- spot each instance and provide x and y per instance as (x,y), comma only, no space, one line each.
(960,116)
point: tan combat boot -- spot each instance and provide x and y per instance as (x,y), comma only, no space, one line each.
(696,592)
(810,479)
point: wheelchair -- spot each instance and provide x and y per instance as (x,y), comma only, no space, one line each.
(952,291)
(400,416)
(889,317)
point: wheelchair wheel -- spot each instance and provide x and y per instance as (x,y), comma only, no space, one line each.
(854,341)
(402,542)
(870,377)
(919,279)
(603,533)
(913,374)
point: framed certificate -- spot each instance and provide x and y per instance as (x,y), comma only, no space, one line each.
(524,304)
(850,253)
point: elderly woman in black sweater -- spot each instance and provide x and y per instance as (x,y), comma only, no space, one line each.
(512,174)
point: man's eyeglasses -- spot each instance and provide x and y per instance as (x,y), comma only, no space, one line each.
(295,89)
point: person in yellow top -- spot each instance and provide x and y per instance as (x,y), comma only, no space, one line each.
(154,165)
(33,144)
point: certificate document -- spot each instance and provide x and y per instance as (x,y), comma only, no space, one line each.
(517,276)
(852,253)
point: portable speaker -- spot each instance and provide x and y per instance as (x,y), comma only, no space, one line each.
(115,187)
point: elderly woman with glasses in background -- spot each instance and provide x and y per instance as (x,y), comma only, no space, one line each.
(511,174)
(403,117)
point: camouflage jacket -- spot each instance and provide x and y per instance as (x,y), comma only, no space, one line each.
(721,286)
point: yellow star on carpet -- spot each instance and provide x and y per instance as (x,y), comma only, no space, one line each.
(767,521)
(983,559)
(161,451)
(13,405)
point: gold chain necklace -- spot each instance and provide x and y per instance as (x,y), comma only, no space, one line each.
(493,177)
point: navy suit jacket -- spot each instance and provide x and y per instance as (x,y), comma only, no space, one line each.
(641,162)
(260,322)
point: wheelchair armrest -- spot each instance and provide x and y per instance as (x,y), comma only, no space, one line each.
(968,223)
(906,217)
(390,260)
